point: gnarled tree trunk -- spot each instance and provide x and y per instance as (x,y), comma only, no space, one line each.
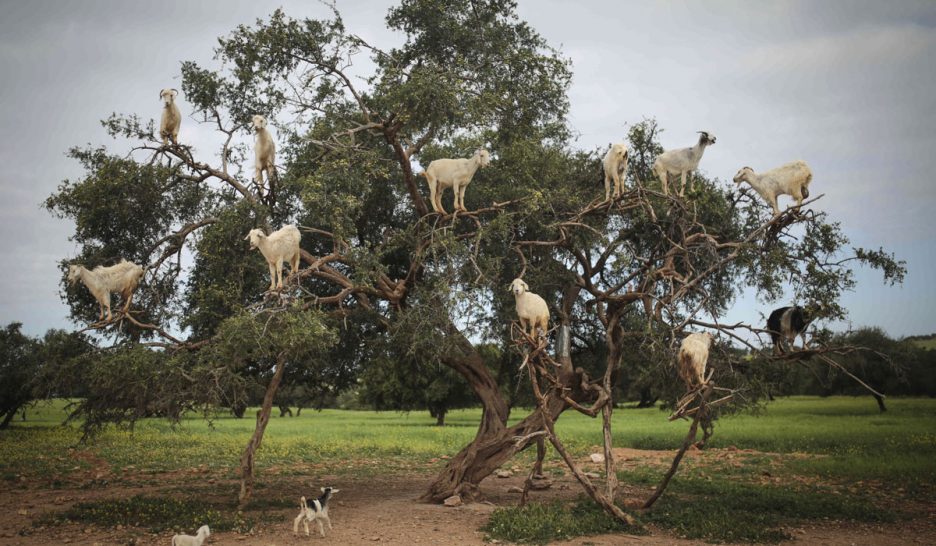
(494,444)
(263,417)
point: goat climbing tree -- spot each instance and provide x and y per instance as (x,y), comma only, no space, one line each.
(380,274)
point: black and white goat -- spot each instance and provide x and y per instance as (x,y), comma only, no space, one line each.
(317,511)
(786,323)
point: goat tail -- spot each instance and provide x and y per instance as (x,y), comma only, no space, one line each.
(302,503)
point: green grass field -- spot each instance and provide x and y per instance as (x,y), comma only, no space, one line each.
(834,458)
(928,344)
(859,441)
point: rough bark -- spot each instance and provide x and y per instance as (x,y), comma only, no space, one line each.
(495,443)
(6,420)
(699,416)
(263,417)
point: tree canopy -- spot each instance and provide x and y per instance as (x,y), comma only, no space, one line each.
(383,281)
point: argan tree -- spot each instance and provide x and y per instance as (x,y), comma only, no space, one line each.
(383,277)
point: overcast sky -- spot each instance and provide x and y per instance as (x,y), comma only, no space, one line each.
(850,87)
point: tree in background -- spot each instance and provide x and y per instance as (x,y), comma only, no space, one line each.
(19,363)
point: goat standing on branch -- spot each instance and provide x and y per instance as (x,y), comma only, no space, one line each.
(683,162)
(615,168)
(786,323)
(531,308)
(277,247)
(264,152)
(123,277)
(693,357)
(792,179)
(455,174)
(171,117)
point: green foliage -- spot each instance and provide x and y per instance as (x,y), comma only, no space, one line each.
(924,342)
(722,510)
(157,514)
(408,384)
(893,367)
(18,367)
(538,523)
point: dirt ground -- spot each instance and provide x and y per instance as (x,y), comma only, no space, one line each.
(375,511)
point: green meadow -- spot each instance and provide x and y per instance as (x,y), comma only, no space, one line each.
(798,459)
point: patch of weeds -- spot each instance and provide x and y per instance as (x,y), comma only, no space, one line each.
(155,514)
(277,503)
(538,523)
(722,510)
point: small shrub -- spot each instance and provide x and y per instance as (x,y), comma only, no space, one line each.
(538,523)
(155,514)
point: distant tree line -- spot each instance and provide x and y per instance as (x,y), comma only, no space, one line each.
(55,366)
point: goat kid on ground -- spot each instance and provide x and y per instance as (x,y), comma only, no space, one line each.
(188,540)
(316,511)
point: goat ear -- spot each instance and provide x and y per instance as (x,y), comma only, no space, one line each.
(247,238)
(323,489)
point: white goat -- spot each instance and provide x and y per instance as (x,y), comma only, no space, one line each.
(531,308)
(693,356)
(277,247)
(264,150)
(101,281)
(189,540)
(790,179)
(615,168)
(455,174)
(171,117)
(682,161)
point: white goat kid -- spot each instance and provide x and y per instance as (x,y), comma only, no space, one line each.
(683,162)
(455,174)
(189,540)
(264,151)
(277,247)
(316,512)
(615,168)
(792,179)
(531,308)
(693,357)
(123,277)
(171,117)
